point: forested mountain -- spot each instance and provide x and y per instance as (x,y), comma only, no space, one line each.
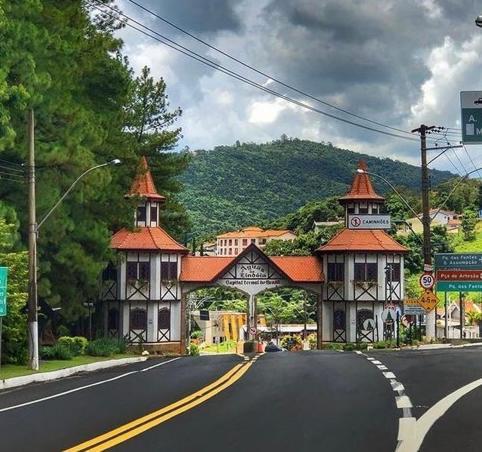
(235,186)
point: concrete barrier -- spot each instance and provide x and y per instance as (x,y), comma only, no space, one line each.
(61,373)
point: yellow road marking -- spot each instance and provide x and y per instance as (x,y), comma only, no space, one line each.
(140,425)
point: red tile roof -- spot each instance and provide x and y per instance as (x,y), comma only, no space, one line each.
(362,188)
(203,268)
(368,240)
(300,268)
(145,239)
(143,184)
(209,268)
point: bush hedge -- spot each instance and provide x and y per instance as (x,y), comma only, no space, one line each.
(105,347)
(76,344)
(57,351)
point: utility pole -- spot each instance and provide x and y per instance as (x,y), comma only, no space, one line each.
(32,250)
(426,220)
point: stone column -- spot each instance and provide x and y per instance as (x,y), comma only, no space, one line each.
(252,324)
(319,322)
(184,320)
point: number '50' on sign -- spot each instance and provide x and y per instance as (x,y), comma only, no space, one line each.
(427,281)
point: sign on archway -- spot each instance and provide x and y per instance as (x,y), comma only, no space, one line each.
(253,274)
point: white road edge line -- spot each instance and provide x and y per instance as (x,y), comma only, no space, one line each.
(421,427)
(160,364)
(70,391)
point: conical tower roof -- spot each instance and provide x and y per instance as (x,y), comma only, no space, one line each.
(143,184)
(361,187)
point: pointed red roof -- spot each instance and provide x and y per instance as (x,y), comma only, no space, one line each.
(209,268)
(361,187)
(146,239)
(143,184)
(362,240)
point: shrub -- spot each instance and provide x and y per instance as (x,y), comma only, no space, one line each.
(76,344)
(335,346)
(312,341)
(198,334)
(104,347)
(57,351)
(193,350)
(62,330)
(348,347)
(292,343)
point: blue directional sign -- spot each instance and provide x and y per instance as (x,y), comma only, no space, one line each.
(3,291)
(462,261)
(459,286)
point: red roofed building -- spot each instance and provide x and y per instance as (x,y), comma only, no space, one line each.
(355,275)
(364,271)
(142,292)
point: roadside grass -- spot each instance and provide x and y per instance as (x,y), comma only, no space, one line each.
(14,370)
(223,347)
(470,246)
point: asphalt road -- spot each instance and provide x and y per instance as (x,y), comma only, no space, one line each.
(303,401)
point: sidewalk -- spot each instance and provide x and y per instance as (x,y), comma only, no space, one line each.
(54,375)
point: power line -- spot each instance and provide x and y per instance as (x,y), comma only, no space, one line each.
(264,74)
(470,158)
(10,163)
(6,173)
(460,161)
(457,170)
(11,169)
(214,65)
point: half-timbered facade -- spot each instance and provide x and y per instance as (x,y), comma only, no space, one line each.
(354,276)
(364,272)
(141,293)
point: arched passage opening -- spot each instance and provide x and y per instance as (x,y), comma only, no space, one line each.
(291,314)
(216,316)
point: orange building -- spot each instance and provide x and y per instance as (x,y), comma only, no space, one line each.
(233,243)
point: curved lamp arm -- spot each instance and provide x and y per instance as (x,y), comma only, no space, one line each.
(361,171)
(113,162)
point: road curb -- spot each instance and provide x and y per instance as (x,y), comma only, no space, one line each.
(62,373)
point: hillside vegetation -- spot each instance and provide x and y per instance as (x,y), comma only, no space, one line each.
(235,186)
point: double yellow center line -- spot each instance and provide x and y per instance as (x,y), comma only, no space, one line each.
(140,425)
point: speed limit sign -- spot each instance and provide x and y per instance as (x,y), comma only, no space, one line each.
(427,281)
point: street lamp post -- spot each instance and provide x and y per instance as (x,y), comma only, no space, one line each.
(33,236)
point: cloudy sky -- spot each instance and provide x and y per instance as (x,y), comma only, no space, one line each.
(400,63)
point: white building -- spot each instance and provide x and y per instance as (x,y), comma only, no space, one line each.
(233,243)
(141,293)
(363,272)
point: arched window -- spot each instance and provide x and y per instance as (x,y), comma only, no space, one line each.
(138,319)
(164,319)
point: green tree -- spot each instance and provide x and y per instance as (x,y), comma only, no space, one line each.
(66,64)
(469,221)
(14,335)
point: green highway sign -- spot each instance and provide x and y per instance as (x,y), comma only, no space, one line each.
(458,286)
(3,291)
(471,104)
(461,261)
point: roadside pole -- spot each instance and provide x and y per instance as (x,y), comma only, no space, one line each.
(32,250)
(426,220)
(446,317)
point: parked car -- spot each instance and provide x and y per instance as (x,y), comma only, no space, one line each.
(272,347)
